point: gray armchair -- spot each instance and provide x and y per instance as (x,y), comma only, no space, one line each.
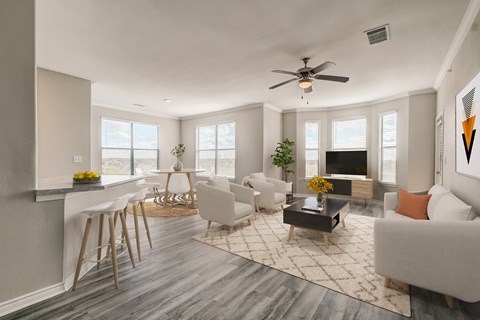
(225,203)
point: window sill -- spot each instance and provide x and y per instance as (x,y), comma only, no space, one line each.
(204,176)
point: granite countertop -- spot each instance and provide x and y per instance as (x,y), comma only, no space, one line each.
(68,187)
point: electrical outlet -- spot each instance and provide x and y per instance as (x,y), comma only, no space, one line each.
(77,159)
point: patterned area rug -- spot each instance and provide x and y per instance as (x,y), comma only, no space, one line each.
(346,266)
(156,211)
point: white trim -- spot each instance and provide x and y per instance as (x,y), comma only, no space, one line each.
(31,298)
(460,35)
(214,113)
(272,107)
(129,109)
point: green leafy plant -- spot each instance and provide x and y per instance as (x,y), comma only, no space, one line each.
(178,151)
(248,184)
(284,157)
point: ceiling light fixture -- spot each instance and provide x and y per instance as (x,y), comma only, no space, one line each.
(305,83)
(167,100)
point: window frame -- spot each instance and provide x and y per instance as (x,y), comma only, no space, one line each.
(216,149)
(349,119)
(381,147)
(317,122)
(132,149)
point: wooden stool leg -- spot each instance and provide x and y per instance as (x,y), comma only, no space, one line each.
(88,225)
(137,233)
(114,250)
(145,222)
(99,243)
(127,238)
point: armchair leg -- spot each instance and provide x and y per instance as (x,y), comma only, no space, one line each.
(450,302)
(249,222)
(209,224)
(386,282)
(230,229)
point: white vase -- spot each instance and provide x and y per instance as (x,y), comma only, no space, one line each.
(178,166)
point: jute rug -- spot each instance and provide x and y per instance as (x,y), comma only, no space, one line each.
(346,266)
(156,211)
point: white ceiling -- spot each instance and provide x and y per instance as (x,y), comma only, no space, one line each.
(211,55)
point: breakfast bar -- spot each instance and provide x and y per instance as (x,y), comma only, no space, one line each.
(77,197)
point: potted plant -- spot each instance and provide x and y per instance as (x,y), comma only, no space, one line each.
(178,152)
(283,158)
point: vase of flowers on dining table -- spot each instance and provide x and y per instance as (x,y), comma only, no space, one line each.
(178,152)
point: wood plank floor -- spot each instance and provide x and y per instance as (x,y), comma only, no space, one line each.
(181,278)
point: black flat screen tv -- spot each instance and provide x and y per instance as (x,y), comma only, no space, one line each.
(347,162)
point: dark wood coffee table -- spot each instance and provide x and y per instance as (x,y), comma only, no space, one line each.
(334,212)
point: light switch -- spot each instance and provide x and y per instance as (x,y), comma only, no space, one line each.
(77,159)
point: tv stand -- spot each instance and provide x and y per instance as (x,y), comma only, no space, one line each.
(361,188)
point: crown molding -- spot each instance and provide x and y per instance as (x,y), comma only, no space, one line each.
(272,107)
(214,113)
(129,109)
(460,35)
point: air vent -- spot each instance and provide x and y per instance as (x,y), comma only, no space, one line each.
(379,34)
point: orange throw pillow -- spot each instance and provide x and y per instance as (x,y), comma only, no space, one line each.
(412,205)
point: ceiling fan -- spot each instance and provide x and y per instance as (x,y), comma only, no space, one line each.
(306,75)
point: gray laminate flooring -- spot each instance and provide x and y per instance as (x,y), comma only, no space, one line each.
(181,278)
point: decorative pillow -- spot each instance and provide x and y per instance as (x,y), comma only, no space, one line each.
(418,193)
(259,176)
(412,205)
(449,207)
(220,182)
(437,192)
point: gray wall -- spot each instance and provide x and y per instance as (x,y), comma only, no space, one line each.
(169,133)
(464,67)
(31,234)
(248,138)
(272,134)
(63,123)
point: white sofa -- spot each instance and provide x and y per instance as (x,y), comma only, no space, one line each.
(273,192)
(441,254)
(226,203)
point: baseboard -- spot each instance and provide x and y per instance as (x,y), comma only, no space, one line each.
(31,298)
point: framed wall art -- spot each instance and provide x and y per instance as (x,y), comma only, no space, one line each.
(467,138)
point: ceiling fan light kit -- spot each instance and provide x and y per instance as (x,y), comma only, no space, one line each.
(306,75)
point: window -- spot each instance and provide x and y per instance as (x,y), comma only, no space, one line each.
(388,147)
(349,134)
(127,146)
(216,149)
(312,149)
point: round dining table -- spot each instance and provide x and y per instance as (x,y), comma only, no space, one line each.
(169,173)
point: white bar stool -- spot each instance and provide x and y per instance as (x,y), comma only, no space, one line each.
(137,199)
(111,209)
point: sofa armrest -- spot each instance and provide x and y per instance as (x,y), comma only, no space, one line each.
(242,194)
(279,185)
(390,201)
(442,256)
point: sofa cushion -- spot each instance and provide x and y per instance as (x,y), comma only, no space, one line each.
(220,182)
(449,207)
(412,205)
(392,215)
(437,192)
(242,210)
(259,176)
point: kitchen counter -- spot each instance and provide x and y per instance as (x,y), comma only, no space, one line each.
(57,190)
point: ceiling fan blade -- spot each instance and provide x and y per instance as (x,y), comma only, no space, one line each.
(285,72)
(331,78)
(322,67)
(282,83)
(308,90)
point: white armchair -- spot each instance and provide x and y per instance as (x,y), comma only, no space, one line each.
(272,191)
(224,202)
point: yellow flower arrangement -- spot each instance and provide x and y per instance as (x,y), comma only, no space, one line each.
(319,185)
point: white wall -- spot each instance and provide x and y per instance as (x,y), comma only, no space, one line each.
(272,134)
(248,138)
(464,67)
(31,234)
(169,133)
(63,123)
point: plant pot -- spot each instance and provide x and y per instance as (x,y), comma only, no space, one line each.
(289,187)
(178,166)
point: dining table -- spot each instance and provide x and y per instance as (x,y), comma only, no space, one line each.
(169,173)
